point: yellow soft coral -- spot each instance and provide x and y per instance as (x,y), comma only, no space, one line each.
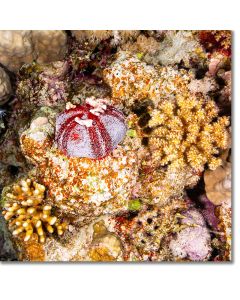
(26,213)
(185,133)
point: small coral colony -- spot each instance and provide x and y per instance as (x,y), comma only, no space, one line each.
(115,145)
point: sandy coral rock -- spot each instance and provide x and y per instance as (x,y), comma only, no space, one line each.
(218,183)
(194,241)
(178,46)
(79,185)
(5,87)
(49,45)
(129,78)
(15,48)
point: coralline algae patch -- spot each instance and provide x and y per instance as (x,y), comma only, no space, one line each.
(115,145)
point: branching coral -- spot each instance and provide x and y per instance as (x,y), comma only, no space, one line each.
(187,132)
(26,213)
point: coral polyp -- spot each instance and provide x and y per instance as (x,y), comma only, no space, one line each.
(92,130)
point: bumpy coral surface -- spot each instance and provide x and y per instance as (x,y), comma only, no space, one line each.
(49,45)
(15,48)
(115,145)
(23,46)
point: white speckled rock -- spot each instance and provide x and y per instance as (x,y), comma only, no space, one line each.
(5,86)
(23,46)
